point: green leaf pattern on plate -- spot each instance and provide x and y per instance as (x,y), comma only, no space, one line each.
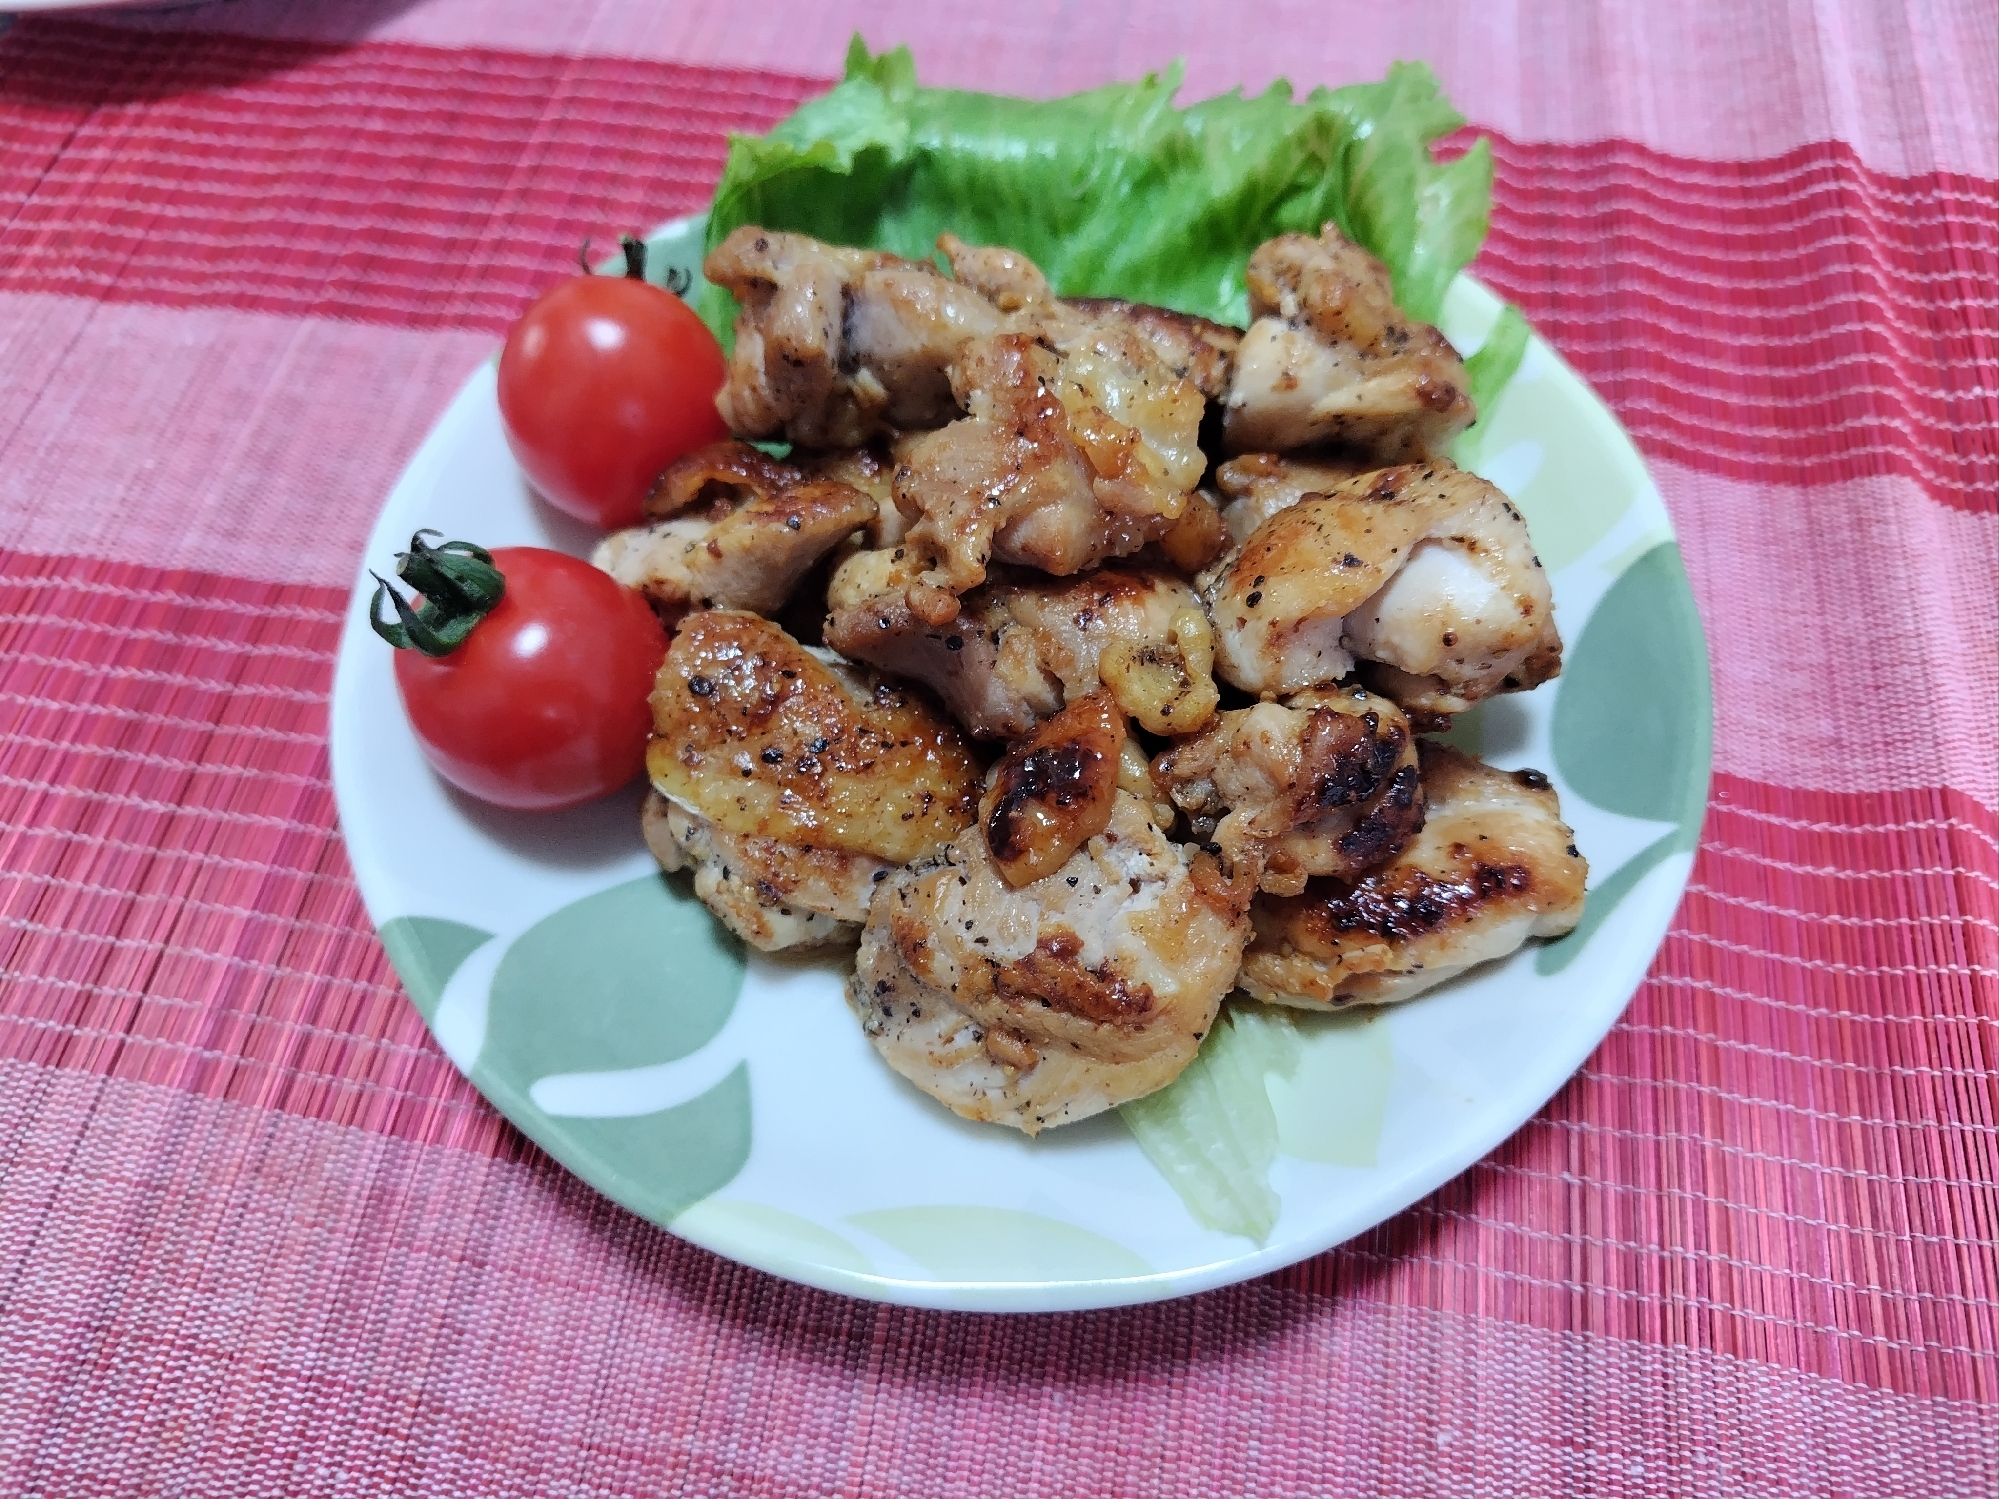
(425,951)
(1331,1105)
(779,1236)
(658,1164)
(1000,1244)
(1633,725)
(629,977)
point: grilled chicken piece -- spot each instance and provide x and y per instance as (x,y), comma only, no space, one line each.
(1258,485)
(1062,461)
(1041,1005)
(1191,347)
(987,672)
(770,893)
(1330,360)
(1425,572)
(816,776)
(728,527)
(1021,646)
(1052,792)
(1324,783)
(1494,865)
(834,345)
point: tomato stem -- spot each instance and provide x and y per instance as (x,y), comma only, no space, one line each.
(459,586)
(677,281)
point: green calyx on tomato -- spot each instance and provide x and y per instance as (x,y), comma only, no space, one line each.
(459,584)
(677,280)
(545,702)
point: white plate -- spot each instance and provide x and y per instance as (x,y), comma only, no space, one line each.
(731,1097)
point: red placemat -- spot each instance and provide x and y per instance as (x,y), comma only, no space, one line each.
(256,1236)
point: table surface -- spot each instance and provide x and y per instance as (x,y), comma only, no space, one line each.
(258,1238)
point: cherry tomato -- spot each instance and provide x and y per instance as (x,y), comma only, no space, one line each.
(544,704)
(603,382)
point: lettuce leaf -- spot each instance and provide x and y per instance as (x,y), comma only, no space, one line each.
(1117,191)
(1212,1131)
(1496,361)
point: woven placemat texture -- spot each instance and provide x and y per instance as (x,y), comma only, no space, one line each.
(258,1239)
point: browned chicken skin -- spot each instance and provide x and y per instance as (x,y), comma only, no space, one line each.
(1425,572)
(871,470)
(772,894)
(1493,865)
(1043,1004)
(1191,348)
(835,345)
(1040,472)
(1324,783)
(1258,485)
(759,738)
(1052,792)
(729,528)
(1330,359)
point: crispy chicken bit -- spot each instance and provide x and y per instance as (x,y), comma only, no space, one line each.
(871,470)
(719,478)
(1324,783)
(1134,776)
(1258,485)
(1022,646)
(1168,686)
(1494,865)
(834,345)
(765,740)
(772,894)
(1330,359)
(1052,792)
(1136,612)
(1198,537)
(1062,461)
(1006,278)
(1425,572)
(730,528)
(1037,1006)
